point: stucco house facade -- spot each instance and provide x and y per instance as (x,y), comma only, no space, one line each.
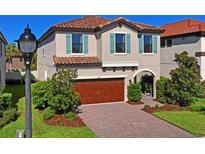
(3,43)
(186,35)
(107,53)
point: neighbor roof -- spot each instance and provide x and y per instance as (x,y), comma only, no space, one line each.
(76,60)
(95,23)
(3,38)
(188,26)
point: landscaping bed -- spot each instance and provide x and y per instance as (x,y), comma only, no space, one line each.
(60,120)
(134,103)
(168,107)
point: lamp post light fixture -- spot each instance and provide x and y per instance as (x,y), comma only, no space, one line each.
(27,44)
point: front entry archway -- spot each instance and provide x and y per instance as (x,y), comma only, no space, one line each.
(147,79)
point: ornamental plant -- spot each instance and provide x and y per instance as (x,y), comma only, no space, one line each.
(62,98)
(134,92)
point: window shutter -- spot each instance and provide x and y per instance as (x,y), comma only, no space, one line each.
(85,45)
(141,43)
(128,43)
(154,44)
(68,43)
(112,41)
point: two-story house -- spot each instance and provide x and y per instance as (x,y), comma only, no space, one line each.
(107,53)
(187,35)
(3,44)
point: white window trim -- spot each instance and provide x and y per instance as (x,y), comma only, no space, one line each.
(144,45)
(72,44)
(116,53)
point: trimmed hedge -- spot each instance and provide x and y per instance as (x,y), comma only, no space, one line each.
(5,102)
(8,116)
(134,92)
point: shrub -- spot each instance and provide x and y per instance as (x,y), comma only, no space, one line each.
(71,116)
(48,113)
(162,87)
(134,92)
(62,97)
(186,80)
(146,107)
(196,107)
(8,116)
(33,78)
(5,102)
(40,92)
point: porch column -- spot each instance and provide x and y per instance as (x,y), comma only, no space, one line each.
(154,87)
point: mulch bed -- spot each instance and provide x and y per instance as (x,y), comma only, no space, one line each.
(135,103)
(60,120)
(168,107)
(156,100)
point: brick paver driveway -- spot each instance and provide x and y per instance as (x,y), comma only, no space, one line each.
(124,120)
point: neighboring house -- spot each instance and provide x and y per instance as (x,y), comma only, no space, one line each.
(17,63)
(107,53)
(3,44)
(187,35)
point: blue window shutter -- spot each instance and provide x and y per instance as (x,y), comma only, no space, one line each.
(128,43)
(154,43)
(68,43)
(112,41)
(85,45)
(141,43)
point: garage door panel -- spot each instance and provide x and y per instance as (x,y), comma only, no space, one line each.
(100,90)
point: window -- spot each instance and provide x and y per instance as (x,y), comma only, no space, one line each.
(162,43)
(120,43)
(77,45)
(147,43)
(169,43)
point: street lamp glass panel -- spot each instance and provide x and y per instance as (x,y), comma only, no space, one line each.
(27,46)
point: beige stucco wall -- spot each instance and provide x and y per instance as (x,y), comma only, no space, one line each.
(191,44)
(3,63)
(61,45)
(45,53)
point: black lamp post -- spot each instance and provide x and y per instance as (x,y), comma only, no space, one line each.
(27,44)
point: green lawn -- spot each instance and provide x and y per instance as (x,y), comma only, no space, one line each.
(42,130)
(193,122)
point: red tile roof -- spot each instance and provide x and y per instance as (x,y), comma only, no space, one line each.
(95,22)
(183,27)
(76,60)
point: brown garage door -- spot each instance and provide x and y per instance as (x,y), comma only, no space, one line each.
(100,90)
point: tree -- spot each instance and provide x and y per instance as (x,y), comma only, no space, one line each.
(185,80)
(62,97)
(34,62)
(11,51)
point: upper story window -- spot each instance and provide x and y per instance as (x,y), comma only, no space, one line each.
(169,43)
(162,43)
(147,43)
(120,43)
(77,43)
